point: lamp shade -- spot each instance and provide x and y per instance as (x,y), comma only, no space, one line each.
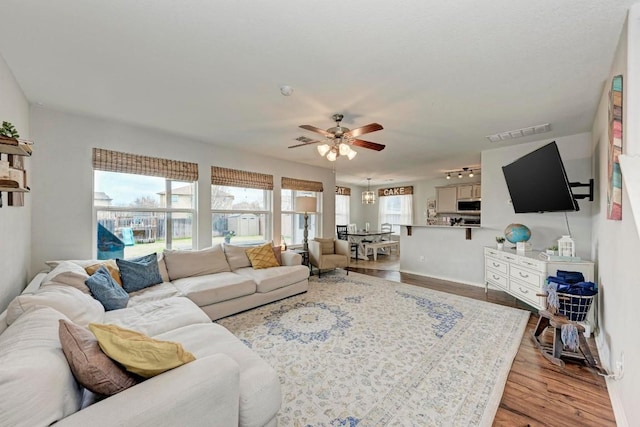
(305,204)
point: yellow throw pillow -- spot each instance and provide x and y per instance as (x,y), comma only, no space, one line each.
(139,353)
(262,257)
(110,265)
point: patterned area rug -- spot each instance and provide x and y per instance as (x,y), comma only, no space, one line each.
(360,351)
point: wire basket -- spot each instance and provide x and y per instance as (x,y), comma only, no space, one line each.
(574,307)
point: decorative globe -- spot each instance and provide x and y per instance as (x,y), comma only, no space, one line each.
(515,233)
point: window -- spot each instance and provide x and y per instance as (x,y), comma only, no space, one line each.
(138,212)
(396,209)
(292,225)
(343,201)
(240,206)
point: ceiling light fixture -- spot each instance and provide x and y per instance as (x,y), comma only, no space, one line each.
(337,147)
(286,90)
(368,197)
(462,172)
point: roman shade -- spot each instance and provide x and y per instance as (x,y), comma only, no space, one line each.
(116,161)
(240,178)
(301,185)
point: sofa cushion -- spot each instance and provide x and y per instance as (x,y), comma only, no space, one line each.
(205,290)
(162,267)
(270,279)
(236,256)
(139,353)
(153,293)
(260,394)
(110,265)
(155,317)
(37,387)
(262,257)
(70,274)
(326,245)
(189,263)
(139,273)
(74,304)
(106,290)
(90,366)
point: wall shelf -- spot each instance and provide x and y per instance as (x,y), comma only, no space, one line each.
(14,150)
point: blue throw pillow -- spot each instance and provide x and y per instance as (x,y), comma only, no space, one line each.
(106,290)
(139,273)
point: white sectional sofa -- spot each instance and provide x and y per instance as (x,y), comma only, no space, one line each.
(227,385)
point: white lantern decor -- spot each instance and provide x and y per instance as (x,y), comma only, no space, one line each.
(566,246)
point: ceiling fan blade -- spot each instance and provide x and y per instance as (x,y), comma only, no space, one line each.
(316,130)
(368,144)
(371,127)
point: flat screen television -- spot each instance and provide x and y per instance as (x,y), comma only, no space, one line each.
(538,182)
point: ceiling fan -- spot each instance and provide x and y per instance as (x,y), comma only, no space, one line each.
(338,139)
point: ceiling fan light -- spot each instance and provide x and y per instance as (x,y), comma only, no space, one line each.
(471,174)
(459,174)
(448,176)
(323,149)
(332,156)
(352,154)
(344,149)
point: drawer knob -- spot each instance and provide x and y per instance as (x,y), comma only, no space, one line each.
(523,275)
(524,291)
(495,265)
(495,277)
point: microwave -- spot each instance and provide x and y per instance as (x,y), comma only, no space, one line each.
(468,205)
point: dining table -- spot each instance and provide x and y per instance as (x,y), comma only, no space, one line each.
(362,237)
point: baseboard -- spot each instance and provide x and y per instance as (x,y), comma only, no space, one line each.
(616,403)
(604,355)
(448,279)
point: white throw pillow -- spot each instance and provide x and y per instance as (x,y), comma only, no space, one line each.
(38,387)
(237,256)
(68,273)
(189,263)
(79,307)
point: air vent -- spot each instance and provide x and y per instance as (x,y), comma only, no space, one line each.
(518,133)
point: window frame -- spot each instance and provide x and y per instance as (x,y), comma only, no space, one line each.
(296,216)
(267,212)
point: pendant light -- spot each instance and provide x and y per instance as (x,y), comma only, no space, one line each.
(368,197)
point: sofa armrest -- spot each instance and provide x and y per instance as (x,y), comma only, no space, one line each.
(291,258)
(342,248)
(199,393)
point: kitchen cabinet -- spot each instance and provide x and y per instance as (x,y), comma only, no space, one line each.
(477,191)
(465,191)
(446,199)
(469,191)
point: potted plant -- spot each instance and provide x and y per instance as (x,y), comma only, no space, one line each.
(228,235)
(500,241)
(552,250)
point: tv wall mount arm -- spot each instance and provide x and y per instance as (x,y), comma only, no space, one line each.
(583,196)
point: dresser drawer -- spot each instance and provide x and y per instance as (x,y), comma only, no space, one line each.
(497,279)
(498,265)
(533,263)
(534,279)
(492,252)
(508,256)
(523,291)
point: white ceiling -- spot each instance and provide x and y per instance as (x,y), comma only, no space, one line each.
(438,75)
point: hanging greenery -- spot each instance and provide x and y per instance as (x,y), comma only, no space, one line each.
(9,130)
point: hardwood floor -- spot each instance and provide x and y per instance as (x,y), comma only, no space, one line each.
(537,392)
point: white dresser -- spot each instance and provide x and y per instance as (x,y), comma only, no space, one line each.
(522,274)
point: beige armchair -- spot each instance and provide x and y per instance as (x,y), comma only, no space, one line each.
(329,253)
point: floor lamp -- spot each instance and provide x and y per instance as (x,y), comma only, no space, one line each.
(306,205)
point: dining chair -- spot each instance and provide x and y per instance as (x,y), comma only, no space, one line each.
(342,232)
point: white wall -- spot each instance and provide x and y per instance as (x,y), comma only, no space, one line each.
(15,222)
(62,183)
(615,243)
(448,255)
